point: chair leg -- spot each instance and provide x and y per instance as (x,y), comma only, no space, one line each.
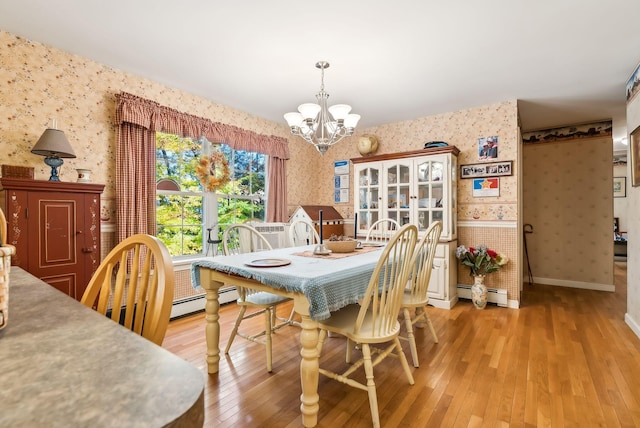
(290,319)
(268,319)
(235,328)
(433,330)
(322,334)
(371,386)
(411,337)
(403,361)
(350,346)
(422,318)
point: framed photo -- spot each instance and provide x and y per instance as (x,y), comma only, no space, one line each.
(619,187)
(488,147)
(491,169)
(634,148)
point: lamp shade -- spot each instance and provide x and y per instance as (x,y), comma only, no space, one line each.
(293,118)
(351,120)
(53,142)
(339,111)
(309,110)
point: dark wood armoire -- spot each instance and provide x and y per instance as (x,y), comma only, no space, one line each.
(55,227)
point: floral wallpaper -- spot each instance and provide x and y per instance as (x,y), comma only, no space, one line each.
(462,129)
(40,83)
(569,241)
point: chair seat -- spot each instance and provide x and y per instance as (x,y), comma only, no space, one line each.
(263,298)
(343,321)
(409,300)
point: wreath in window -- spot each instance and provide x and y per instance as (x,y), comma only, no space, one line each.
(213,171)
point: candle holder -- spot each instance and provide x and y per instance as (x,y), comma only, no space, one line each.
(320,248)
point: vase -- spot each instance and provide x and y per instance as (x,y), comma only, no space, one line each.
(479,292)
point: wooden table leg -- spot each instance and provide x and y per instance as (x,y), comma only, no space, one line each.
(212,328)
(309,366)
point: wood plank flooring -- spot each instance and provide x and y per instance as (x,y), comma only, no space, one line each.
(566,358)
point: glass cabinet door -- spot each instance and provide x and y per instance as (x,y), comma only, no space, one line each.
(431,197)
(368,197)
(398,181)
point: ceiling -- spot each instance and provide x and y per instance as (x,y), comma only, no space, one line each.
(566,61)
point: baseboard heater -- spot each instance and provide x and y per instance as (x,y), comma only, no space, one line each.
(197,303)
(494,295)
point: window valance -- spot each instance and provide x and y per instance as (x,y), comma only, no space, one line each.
(153,116)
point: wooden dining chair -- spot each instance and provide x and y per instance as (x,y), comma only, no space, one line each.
(135,283)
(415,294)
(375,319)
(239,239)
(302,232)
(382,230)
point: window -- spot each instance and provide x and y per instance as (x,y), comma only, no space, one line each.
(186,216)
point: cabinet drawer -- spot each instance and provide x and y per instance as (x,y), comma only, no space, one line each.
(441,251)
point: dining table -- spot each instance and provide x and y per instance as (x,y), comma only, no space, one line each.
(317,283)
(62,364)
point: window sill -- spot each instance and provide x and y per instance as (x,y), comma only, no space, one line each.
(184,262)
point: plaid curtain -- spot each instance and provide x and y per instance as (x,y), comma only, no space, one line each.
(135,181)
(139,119)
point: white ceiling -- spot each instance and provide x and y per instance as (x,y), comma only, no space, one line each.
(566,60)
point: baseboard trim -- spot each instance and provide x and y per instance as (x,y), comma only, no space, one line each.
(635,327)
(443,304)
(573,284)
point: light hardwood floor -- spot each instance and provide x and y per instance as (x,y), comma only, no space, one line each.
(565,358)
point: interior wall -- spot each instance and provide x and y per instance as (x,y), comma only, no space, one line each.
(476,215)
(620,204)
(632,317)
(568,199)
(41,83)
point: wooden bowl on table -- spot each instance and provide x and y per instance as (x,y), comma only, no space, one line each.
(346,246)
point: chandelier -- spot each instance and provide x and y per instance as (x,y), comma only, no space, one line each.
(319,124)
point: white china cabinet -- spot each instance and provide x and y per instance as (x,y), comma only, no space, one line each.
(416,187)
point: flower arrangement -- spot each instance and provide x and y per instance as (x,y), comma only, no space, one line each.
(480,260)
(213,171)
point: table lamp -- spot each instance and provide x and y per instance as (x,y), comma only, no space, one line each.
(53,144)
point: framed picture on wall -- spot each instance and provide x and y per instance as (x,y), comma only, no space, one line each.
(493,169)
(634,148)
(619,187)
